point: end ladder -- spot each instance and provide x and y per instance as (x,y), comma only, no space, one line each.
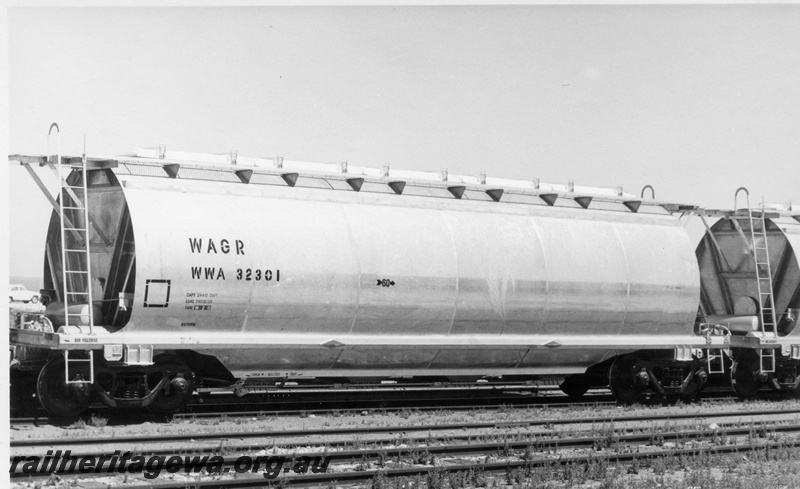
(759,247)
(75,258)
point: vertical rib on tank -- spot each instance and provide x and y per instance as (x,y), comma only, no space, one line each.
(112,259)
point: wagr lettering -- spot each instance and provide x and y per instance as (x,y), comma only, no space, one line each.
(196,245)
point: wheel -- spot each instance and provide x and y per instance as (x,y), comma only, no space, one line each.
(743,374)
(34,299)
(622,380)
(177,392)
(59,398)
(575,386)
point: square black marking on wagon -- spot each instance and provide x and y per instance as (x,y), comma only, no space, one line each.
(156,293)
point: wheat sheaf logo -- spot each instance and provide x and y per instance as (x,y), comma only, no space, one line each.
(385,282)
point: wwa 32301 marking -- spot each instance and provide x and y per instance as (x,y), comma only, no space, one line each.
(244,274)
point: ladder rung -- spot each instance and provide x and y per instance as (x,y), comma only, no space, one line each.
(75,271)
(73,208)
(75,229)
(76,251)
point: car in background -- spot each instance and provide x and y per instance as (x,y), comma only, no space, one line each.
(18,293)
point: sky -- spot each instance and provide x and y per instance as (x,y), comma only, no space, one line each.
(693,100)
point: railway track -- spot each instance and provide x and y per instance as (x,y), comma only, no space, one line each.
(123,419)
(523,466)
(276,434)
(340,450)
(528,450)
(228,407)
